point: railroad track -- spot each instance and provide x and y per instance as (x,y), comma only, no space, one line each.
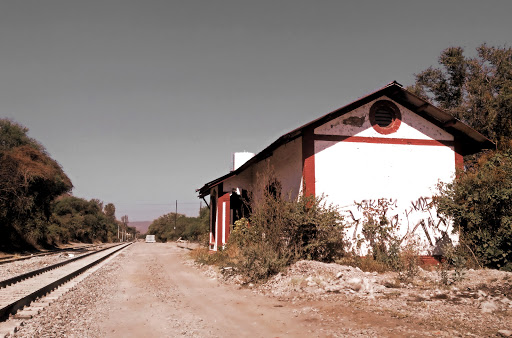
(20,291)
(15,258)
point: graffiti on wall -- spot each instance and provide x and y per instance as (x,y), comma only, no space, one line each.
(419,218)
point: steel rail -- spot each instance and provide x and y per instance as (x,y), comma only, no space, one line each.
(26,297)
(13,258)
(30,274)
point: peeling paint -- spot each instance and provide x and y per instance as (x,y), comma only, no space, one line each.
(354,121)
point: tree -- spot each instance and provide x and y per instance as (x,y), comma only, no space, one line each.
(172,226)
(14,135)
(29,181)
(282,230)
(476,90)
(479,202)
(80,220)
(110,211)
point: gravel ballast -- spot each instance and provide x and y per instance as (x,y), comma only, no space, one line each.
(156,290)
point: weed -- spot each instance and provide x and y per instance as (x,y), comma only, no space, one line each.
(282,230)
(408,262)
(386,250)
(455,258)
(365,263)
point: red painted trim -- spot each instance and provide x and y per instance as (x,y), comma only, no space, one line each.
(220,212)
(397,117)
(213,211)
(308,162)
(228,217)
(218,232)
(382,140)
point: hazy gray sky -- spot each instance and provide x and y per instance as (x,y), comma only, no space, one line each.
(142,102)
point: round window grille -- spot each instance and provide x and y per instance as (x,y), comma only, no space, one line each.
(385,117)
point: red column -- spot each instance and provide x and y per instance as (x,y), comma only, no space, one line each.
(223,219)
(308,162)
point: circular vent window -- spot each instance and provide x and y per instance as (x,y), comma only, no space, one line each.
(385,117)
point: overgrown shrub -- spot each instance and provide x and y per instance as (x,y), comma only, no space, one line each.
(282,230)
(379,235)
(385,250)
(407,264)
(29,182)
(480,203)
(452,268)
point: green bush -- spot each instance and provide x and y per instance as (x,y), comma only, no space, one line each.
(379,235)
(386,250)
(281,231)
(170,227)
(455,258)
(76,219)
(480,203)
(29,182)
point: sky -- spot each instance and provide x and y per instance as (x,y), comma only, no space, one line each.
(144,101)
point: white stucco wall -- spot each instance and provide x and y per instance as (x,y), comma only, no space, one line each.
(286,163)
(349,172)
(356,170)
(240,181)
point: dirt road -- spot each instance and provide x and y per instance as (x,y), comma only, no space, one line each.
(159,296)
(153,290)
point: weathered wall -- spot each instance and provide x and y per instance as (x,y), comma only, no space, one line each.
(403,167)
(354,164)
(286,165)
(357,123)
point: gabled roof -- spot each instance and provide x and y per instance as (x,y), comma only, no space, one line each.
(472,141)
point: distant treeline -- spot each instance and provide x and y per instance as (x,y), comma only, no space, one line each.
(36,209)
(172,226)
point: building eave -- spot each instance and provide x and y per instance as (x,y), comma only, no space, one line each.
(472,141)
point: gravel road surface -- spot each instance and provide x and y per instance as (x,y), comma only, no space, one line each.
(148,291)
(155,290)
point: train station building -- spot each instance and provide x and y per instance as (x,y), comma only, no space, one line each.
(389,146)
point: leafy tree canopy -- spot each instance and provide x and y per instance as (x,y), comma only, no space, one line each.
(35,208)
(172,226)
(476,90)
(14,135)
(76,219)
(29,181)
(110,211)
(29,178)
(479,202)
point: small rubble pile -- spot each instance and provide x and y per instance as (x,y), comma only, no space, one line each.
(317,278)
(488,290)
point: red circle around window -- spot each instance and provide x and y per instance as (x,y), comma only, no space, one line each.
(385,117)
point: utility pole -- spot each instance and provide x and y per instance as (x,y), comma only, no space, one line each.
(124,219)
(176,215)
